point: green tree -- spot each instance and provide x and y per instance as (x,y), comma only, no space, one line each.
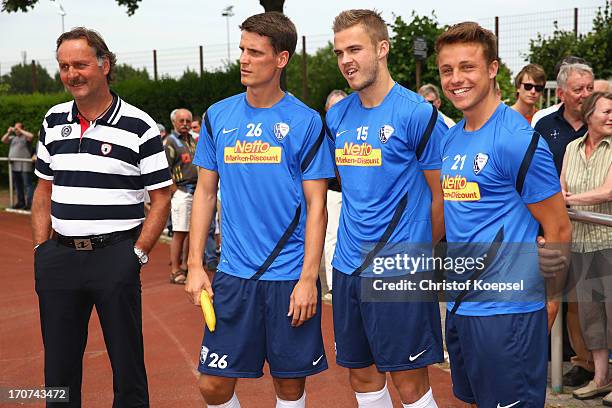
(506,84)
(19,80)
(124,72)
(323,76)
(12,6)
(402,64)
(4,88)
(593,46)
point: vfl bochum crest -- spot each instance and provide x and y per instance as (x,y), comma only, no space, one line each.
(280,130)
(66,131)
(203,354)
(385,133)
(480,161)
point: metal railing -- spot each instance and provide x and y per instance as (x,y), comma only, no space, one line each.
(10,175)
(590,217)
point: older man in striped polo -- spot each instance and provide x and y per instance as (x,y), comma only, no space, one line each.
(97,155)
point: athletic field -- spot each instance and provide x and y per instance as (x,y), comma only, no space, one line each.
(172,334)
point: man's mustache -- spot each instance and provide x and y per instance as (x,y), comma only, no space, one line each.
(75,82)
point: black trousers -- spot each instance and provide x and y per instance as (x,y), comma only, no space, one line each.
(69,283)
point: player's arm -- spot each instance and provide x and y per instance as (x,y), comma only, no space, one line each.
(331,143)
(426,140)
(156,219)
(437,204)
(601,194)
(555,254)
(41,211)
(204,202)
(304,298)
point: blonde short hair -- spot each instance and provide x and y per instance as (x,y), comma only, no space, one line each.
(370,20)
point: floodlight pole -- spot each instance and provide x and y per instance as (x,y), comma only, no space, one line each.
(227,13)
(61,12)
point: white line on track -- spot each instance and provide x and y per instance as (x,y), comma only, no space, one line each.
(188,359)
(28,239)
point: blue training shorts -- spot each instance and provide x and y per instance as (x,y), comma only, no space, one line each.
(500,360)
(253,327)
(396,336)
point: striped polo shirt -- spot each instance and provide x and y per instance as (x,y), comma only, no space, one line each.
(584,174)
(100,169)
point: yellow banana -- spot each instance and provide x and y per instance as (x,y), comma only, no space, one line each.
(208,311)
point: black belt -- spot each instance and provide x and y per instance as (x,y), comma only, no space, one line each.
(89,243)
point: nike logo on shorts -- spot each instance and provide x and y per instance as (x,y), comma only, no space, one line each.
(412,358)
(228,131)
(314,363)
(508,406)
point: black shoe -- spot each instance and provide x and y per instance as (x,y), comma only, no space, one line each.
(577,376)
(18,206)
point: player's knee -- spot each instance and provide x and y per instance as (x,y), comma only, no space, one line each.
(216,390)
(410,389)
(289,390)
(367,379)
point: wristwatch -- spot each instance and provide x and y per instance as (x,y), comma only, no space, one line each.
(143,258)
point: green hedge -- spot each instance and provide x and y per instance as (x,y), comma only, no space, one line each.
(27,109)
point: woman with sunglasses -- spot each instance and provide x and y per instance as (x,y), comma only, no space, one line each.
(529,85)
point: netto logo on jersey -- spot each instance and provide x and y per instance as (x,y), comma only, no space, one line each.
(354,154)
(252,152)
(457,188)
(66,131)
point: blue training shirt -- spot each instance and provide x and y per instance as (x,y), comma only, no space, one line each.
(380,153)
(262,156)
(488,177)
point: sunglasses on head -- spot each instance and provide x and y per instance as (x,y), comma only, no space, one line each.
(528,87)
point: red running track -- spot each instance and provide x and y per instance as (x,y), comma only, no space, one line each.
(172,335)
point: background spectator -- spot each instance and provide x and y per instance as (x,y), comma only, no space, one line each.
(529,84)
(559,128)
(570,59)
(162,133)
(20,141)
(180,149)
(432,95)
(586,180)
(196,125)
(602,85)
(574,85)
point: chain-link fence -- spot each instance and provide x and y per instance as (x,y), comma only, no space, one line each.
(514,33)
